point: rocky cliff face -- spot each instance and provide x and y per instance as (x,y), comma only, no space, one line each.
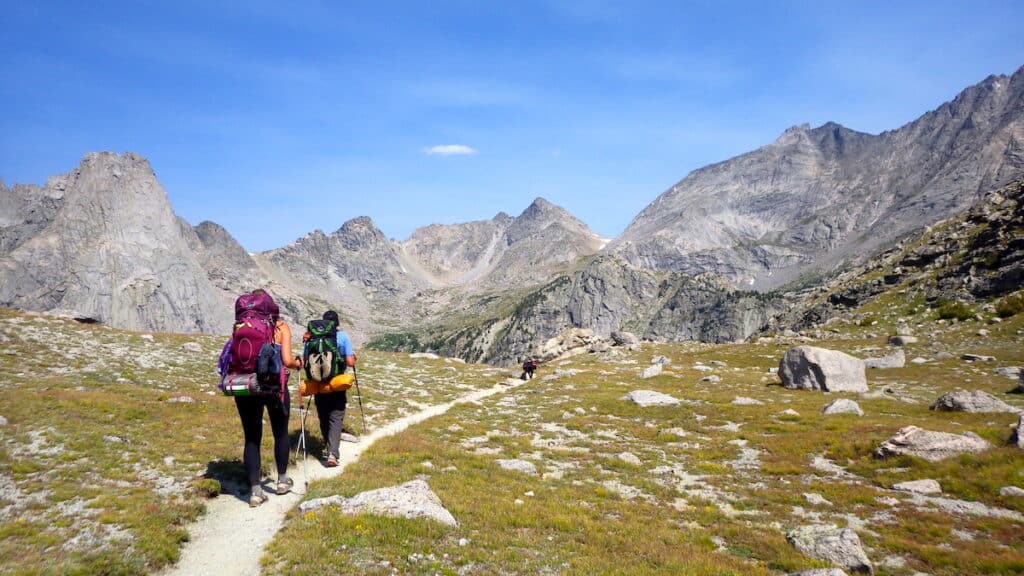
(817,197)
(611,295)
(102,241)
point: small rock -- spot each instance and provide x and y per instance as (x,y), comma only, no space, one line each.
(977,358)
(788,412)
(181,400)
(943,355)
(425,356)
(630,458)
(651,371)
(413,499)
(627,340)
(897,359)
(1011,372)
(902,340)
(518,502)
(660,360)
(1011,491)
(927,486)
(192,347)
(1017,436)
(744,401)
(816,499)
(427,464)
(713,379)
(645,398)
(3,421)
(919,360)
(147,337)
(840,547)
(843,406)
(463,542)
(523,466)
(820,572)
(702,368)
(773,370)
(982,332)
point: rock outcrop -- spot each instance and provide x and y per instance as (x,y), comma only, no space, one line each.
(839,546)
(971,401)
(932,446)
(812,368)
(413,499)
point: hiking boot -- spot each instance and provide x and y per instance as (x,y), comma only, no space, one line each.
(332,461)
(284,486)
(257,498)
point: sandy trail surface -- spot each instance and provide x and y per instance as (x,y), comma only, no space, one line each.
(229,539)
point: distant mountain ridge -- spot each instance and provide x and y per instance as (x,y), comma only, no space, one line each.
(816,197)
(103,242)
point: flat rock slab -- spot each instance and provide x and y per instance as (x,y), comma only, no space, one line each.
(932,446)
(812,368)
(927,486)
(840,546)
(843,406)
(744,401)
(645,398)
(975,401)
(410,500)
(897,359)
(523,466)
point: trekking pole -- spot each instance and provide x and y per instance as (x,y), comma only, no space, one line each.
(359,396)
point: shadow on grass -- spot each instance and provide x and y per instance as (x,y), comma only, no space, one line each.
(231,476)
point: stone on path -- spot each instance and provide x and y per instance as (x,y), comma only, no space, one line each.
(932,446)
(812,368)
(651,371)
(927,486)
(840,546)
(413,499)
(897,359)
(843,406)
(645,398)
(523,466)
(974,401)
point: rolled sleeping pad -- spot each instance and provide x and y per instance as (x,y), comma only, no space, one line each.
(339,383)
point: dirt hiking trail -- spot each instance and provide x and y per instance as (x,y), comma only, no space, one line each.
(229,539)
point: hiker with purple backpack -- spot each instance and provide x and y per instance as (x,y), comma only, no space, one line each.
(254,368)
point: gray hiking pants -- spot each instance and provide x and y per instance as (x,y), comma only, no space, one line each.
(330,409)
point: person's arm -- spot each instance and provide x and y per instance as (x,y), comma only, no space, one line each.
(345,347)
(284,338)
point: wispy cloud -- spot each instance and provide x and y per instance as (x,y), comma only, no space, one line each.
(449,150)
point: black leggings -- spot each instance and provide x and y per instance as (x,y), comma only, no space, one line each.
(250,410)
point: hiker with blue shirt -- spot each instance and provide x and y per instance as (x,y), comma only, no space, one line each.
(330,406)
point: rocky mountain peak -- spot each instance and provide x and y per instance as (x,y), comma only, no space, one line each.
(359,233)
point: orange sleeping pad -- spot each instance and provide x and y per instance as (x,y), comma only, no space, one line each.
(339,383)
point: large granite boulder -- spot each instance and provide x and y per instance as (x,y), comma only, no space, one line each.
(932,446)
(812,368)
(971,401)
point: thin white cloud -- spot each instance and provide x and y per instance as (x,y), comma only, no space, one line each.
(449,150)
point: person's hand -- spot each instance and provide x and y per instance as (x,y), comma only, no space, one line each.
(298,362)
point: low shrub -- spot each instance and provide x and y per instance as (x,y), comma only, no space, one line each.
(948,310)
(1010,305)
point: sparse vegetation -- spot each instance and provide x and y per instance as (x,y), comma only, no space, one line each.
(1010,305)
(954,310)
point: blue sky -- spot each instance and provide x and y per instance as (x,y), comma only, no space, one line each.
(323,111)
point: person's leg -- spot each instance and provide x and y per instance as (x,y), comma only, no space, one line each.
(323,412)
(250,411)
(335,404)
(279,412)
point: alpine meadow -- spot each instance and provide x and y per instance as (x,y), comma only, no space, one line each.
(806,359)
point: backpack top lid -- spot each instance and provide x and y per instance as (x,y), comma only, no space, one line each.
(320,328)
(261,303)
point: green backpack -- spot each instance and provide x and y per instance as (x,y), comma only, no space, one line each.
(320,356)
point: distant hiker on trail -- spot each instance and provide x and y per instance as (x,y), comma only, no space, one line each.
(254,367)
(330,405)
(528,368)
